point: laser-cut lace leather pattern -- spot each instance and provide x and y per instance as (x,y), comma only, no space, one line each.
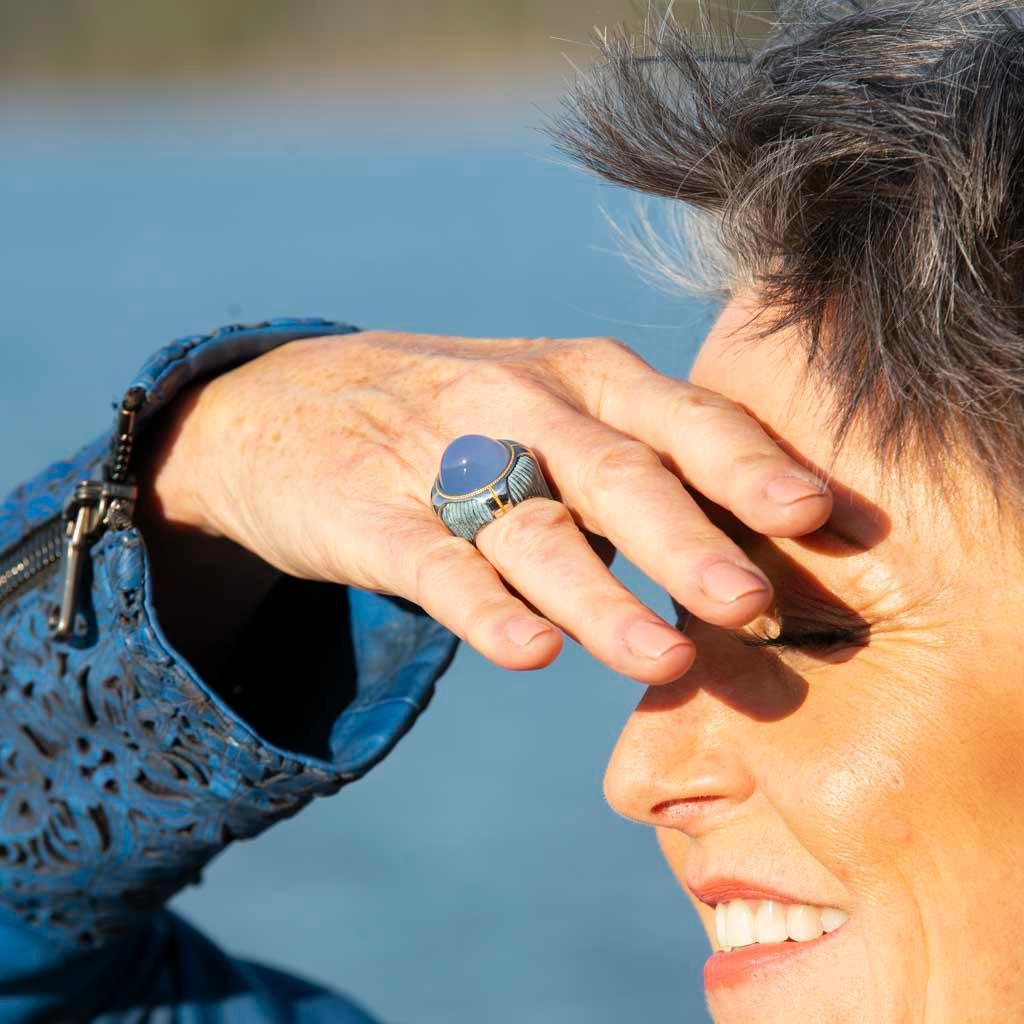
(119,778)
(120,775)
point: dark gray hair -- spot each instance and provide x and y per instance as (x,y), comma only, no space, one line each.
(862,170)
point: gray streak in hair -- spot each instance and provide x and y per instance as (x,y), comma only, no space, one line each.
(861,170)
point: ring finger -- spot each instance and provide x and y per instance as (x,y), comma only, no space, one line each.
(538,549)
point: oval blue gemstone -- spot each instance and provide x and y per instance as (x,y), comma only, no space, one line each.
(471,462)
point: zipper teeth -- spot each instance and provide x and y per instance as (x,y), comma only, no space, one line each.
(32,559)
(35,558)
(124,434)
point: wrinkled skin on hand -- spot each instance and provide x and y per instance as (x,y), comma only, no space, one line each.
(317,459)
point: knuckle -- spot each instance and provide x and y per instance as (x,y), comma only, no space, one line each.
(538,515)
(438,566)
(699,404)
(467,378)
(756,462)
(534,529)
(687,579)
(482,613)
(688,552)
(576,355)
(618,463)
(502,373)
(513,382)
(610,611)
(612,347)
(696,553)
(461,378)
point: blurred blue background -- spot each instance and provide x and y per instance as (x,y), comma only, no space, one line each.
(480,857)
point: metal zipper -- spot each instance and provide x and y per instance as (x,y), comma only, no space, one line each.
(93,507)
(32,560)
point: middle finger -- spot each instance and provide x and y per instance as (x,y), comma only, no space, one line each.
(621,490)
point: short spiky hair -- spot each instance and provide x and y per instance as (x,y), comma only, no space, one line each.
(864,171)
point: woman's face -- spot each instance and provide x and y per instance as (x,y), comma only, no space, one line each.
(878,771)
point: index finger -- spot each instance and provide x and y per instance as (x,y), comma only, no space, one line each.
(713,444)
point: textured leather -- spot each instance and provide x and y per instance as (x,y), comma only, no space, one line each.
(121,772)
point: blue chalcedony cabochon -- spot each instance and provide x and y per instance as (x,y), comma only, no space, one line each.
(471,462)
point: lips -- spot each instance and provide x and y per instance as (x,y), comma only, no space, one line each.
(760,927)
(724,970)
(715,890)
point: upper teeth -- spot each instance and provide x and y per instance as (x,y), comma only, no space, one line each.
(744,922)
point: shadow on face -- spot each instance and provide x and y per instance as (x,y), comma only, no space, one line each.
(801,595)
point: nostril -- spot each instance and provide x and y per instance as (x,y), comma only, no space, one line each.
(694,815)
(668,805)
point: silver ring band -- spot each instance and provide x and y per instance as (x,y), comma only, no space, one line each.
(467,514)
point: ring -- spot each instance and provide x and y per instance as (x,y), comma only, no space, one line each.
(481,479)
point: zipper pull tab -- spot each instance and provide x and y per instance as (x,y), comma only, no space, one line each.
(96,506)
(91,510)
(80,528)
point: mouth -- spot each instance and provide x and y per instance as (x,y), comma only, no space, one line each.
(727,969)
(758,930)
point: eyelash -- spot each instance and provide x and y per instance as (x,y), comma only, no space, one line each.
(823,639)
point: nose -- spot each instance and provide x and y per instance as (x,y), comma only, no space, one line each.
(681,760)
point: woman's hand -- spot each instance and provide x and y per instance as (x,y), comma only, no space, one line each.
(318,458)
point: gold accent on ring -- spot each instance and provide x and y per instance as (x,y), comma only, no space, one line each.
(502,507)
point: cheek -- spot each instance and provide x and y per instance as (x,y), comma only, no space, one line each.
(894,774)
(853,782)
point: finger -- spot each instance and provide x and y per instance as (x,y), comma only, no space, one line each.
(454,584)
(713,444)
(541,552)
(621,490)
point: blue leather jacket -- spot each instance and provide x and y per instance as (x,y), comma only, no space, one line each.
(122,772)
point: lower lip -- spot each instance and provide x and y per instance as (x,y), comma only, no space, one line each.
(724,970)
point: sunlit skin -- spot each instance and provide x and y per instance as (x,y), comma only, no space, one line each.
(883,778)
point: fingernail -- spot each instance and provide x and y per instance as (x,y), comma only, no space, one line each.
(525,628)
(652,639)
(786,490)
(727,583)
